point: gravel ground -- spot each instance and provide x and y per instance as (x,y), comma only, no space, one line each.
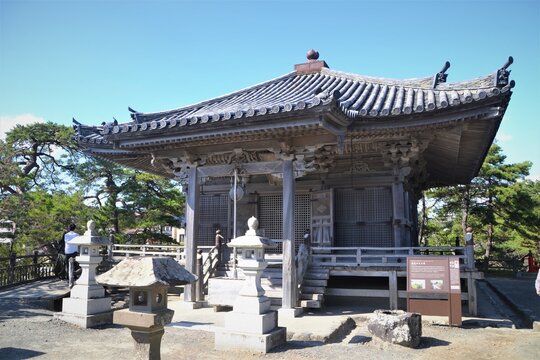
(27,331)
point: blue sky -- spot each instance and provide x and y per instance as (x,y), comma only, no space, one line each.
(92,59)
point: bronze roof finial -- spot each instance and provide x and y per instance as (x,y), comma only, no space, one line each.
(312,55)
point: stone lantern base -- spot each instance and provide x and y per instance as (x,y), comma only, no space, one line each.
(263,343)
(86,313)
(251,326)
(86,321)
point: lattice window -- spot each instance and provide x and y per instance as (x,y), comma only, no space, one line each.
(271,217)
(212,216)
(363,217)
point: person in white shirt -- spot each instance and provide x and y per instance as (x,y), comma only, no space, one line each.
(71,250)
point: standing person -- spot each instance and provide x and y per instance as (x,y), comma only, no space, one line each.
(219,238)
(70,249)
(219,245)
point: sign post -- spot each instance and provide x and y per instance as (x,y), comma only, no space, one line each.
(433,286)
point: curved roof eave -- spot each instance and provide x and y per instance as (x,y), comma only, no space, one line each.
(296,94)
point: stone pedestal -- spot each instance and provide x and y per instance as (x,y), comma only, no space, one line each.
(397,327)
(148,343)
(146,330)
(148,280)
(87,305)
(290,313)
(251,325)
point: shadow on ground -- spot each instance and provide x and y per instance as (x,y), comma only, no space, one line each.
(296,345)
(17,353)
(428,342)
(12,309)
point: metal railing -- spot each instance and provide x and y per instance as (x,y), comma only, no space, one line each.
(23,269)
(384,256)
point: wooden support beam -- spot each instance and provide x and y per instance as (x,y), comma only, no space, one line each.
(393,289)
(471,294)
(399,212)
(289,269)
(192,229)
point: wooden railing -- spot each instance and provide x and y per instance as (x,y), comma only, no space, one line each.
(125,250)
(176,251)
(209,265)
(384,257)
(206,264)
(22,269)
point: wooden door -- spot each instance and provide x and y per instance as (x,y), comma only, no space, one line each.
(322,218)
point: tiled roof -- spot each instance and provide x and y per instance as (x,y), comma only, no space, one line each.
(357,96)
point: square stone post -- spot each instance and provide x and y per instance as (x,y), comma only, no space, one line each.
(290,287)
(192,229)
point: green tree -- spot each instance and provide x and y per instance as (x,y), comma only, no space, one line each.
(34,156)
(496,189)
(46,182)
(102,182)
(42,217)
(499,204)
(156,202)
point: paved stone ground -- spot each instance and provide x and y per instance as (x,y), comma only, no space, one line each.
(519,295)
(28,331)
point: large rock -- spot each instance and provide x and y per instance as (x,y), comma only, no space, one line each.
(397,327)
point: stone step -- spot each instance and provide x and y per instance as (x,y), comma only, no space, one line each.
(275,301)
(311,304)
(273,292)
(313,289)
(317,270)
(271,282)
(272,274)
(316,275)
(318,297)
(314,282)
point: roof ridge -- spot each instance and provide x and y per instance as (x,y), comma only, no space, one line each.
(224,96)
(424,83)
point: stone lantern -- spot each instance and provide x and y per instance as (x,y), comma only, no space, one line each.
(251,325)
(87,305)
(148,280)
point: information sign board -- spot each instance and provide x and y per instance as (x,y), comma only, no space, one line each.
(433,286)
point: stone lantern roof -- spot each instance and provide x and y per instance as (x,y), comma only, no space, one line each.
(91,236)
(146,271)
(251,240)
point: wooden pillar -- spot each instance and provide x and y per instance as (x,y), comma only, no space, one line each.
(192,229)
(399,211)
(289,270)
(393,290)
(471,294)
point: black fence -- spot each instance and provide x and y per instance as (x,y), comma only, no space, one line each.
(16,270)
(502,265)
